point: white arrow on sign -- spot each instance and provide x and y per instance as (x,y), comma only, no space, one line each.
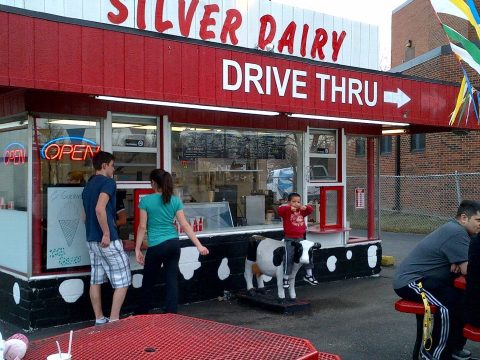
(399,97)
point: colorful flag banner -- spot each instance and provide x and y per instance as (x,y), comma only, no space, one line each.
(466,51)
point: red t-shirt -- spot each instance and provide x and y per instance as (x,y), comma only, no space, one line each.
(294,220)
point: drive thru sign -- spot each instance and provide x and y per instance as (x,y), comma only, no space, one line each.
(272,80)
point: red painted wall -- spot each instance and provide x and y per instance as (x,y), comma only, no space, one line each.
(42,54)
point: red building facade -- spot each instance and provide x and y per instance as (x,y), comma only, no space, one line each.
(227,121)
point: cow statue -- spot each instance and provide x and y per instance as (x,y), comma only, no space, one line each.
(265,256)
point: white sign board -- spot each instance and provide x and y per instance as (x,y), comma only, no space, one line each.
(359,198)
(250,24)
(66,237)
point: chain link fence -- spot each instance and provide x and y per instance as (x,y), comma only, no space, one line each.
(416,204)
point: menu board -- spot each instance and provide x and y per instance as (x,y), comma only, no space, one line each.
(195,144)
(66,237)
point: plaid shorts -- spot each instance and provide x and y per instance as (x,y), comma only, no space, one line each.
(110,263)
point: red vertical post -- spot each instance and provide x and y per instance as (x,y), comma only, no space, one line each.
(371,188)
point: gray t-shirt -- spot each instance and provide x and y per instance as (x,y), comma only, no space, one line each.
(433,256)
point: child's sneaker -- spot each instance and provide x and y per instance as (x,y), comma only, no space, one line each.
(286,284)
(103,320)
(311,280)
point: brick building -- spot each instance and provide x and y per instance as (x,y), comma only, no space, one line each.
(420,49)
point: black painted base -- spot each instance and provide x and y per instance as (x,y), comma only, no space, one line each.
(38,303)
(269,300)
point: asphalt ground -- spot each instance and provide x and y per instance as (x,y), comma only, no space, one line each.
(352,318)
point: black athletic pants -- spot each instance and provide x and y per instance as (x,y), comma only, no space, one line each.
(168,254)
(448,320)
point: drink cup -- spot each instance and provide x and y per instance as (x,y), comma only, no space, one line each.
(211,195)
(64,356)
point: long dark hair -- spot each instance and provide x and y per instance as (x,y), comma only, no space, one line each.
(164,181)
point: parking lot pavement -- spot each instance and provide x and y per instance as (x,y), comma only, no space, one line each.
(352,318)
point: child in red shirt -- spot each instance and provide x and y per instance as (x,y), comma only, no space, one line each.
(293,217)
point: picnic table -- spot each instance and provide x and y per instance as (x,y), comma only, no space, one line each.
(172,336)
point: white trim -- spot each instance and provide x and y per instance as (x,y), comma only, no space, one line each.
(366,242)
(134,149)
(58,276)
(24,277)
(188,106)
(334,118)
(133,185)
(107,133)
(167,144)
(30,196)
(237,231)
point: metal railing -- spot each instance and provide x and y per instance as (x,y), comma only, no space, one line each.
(416,204)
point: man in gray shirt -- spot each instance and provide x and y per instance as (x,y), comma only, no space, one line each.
(434,262)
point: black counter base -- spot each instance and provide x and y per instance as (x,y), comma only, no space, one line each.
(41,302)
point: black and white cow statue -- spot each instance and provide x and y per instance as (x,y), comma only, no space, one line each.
(267,255)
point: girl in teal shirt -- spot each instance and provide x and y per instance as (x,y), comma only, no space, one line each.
(157,212)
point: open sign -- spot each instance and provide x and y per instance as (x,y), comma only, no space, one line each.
(56,150)
(14,154)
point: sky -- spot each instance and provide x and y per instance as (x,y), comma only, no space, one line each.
(377,12)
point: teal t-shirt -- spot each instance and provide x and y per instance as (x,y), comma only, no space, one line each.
(160,217)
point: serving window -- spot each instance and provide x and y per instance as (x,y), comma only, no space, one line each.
(251,171)
(322,148)
(134,145)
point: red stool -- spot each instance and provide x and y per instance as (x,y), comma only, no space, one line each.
(460,282)
(412,307)
(471,333)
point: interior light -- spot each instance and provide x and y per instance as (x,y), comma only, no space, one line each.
(74,122)
(123,125)
(188,106)
(334,118)
(178,128)
(146,127)
(394,131)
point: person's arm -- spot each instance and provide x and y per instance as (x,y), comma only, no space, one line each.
(456,250)
(282,209)
(142,228)
(101,212)
(121,217)
(191,234)
(306,210)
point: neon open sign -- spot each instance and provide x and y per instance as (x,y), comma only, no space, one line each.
(14,154)
(56,150)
